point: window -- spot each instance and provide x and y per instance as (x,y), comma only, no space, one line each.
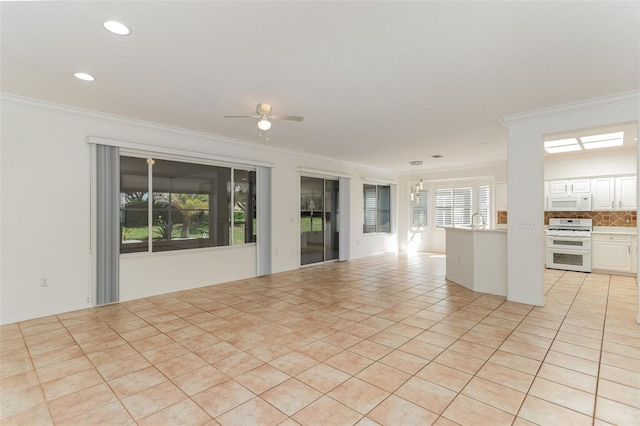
(419,210)
(484,203)
(190,205)
(462,206)
(454,206)
(444,207)
(377,208)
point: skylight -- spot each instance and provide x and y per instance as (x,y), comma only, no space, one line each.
(562,145)
(602,141)
(606,140)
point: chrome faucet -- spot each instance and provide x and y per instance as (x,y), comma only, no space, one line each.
(473,217)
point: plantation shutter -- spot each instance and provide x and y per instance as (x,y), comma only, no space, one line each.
(484,203)
(462,206)
(384,209)
(370,207)
(420,208)
(444,207)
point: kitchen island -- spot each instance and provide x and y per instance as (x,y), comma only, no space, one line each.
(477,259)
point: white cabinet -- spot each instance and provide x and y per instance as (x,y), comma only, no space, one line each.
(546,195)
(501,197)
(612,252)
(558,187)
(617,193)
(581,186)
(575,186)
(603,193)
(626,195)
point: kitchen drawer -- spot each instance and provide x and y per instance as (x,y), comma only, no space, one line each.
(612,237)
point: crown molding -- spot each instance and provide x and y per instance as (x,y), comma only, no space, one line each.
(588,104)
(39,104)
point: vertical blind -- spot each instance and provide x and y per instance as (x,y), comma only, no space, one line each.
(263,205)
(107,224)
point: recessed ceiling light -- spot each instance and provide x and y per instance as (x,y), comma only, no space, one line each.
(84,76)
(116,27)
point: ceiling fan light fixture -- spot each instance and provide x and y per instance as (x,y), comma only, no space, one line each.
(264,124)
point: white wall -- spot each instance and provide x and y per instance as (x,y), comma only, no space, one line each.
(607,162)
(45,221)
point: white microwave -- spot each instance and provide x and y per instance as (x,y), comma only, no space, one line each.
(569,203)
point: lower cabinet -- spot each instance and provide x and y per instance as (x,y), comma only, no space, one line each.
(614,252)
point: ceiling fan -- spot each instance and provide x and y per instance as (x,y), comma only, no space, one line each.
(263,114)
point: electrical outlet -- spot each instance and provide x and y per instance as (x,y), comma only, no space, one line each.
(44,282)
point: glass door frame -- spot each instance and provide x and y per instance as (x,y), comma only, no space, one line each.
(334,213)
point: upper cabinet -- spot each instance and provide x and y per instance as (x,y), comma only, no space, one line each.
(603,193)
(574,186)
(614,193)
(626,193)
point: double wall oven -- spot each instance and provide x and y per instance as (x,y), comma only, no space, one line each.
(569,244)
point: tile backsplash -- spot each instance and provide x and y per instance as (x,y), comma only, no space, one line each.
(600,218)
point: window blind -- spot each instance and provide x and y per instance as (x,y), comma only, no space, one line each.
(370,207)
(420,209)
(384,209)
(444,206)
(484,203)
(462,199)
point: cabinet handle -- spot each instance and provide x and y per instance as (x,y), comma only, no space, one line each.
(612,205)
(571,187)
(620,204)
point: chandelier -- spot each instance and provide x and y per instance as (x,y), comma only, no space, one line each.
(416,181)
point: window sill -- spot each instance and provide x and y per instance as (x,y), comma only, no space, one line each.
(185,251)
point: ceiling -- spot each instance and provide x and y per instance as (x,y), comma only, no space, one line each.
(379,83)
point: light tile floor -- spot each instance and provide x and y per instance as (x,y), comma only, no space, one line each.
(382,340)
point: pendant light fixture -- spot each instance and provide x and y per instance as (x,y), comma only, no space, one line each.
(416,181)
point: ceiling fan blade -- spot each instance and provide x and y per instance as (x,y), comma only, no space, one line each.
(287,117)
(241,116)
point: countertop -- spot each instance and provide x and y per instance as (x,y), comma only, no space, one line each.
(468,228)
(624,230)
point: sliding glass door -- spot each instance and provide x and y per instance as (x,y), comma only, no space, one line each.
(319,224)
